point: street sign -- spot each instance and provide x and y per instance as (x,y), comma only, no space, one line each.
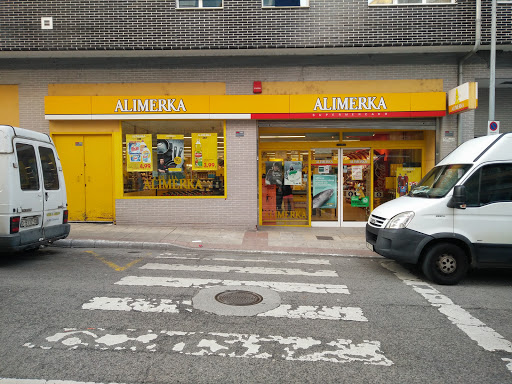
(493,127)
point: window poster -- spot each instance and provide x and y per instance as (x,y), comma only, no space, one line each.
(357,172)
(170,150)
(139,153)
(204,151)
(406,179)
(325,191)
(293,173)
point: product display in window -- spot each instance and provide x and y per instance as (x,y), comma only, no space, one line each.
(173,159)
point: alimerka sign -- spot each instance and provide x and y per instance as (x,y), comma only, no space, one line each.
(463,98)
(246,107)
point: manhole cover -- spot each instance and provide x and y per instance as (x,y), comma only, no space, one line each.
(324,238)
(238,298)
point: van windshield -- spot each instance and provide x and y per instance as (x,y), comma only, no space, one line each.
(439,180)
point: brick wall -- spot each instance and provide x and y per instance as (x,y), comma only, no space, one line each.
(158,25)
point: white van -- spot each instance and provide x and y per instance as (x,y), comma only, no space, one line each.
(459,215)
(33,203)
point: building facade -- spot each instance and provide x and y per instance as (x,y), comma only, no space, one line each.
(261,112)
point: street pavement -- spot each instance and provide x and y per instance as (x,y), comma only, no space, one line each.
(346,241)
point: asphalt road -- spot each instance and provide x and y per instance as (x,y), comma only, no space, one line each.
(129,316)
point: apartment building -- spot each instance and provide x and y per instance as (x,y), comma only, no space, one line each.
(254,112)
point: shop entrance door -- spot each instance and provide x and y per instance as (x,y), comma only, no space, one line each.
(341,187)
(87,165)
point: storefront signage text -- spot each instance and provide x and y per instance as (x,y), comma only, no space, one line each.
(273,215)
(349,103)
(150,105)
(162,183)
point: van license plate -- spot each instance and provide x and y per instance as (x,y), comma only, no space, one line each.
(369,246)
(29,221)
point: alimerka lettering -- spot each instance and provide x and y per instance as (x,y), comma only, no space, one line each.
(162,183)
(349,104)
(150,105)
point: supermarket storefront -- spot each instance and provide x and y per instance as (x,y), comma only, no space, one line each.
(324,159)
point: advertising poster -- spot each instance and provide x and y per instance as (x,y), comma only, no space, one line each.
(139,153)
(293,173)
(204,151)
(325,189)
(406,179)
(274,173)
(170,150)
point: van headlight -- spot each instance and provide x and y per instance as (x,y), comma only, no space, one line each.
(401,220)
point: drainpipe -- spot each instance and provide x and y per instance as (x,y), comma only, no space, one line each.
(478,35)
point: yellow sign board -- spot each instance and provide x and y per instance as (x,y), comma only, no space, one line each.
(463,98)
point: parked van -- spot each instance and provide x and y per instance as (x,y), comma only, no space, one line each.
(33,203)
(458,216)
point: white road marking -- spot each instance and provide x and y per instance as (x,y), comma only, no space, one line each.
(208,283)
(486,337)
(251,270)
(509,365)
(316,312)
(220,344)
(41,381)
(170,255)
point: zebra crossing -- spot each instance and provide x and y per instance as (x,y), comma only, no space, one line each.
(220,343)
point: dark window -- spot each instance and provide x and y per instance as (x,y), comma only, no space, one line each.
(49,166)
(27,166)
(492,183)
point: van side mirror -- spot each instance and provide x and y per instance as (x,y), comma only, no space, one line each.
(458,199)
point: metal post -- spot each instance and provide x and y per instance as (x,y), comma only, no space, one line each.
(492,76)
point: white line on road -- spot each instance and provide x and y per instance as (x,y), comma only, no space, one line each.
(171,255)
(208,283)
(41,381)
(509,365)
(486,337)
(251,270)
(219,344)
(309,312)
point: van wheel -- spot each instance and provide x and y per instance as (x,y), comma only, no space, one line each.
(445,264)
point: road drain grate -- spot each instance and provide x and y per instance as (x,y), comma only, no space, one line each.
(325,238)
(239,298)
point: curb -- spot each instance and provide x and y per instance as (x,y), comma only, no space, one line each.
(88,243)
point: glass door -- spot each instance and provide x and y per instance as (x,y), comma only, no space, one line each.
(356,186)
(340,187)
(325,187)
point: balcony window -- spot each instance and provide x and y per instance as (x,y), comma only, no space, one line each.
(285,3)
(181,4)
(407,2)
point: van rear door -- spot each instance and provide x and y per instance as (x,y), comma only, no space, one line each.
(54,192)
(27,202)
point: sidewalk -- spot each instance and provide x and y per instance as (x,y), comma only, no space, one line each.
(299,240)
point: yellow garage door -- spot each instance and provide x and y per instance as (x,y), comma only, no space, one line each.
(87,165)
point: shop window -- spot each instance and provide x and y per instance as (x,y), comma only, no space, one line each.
(27,166)
(198,4)
(395,173)
(173,158)
(406,2)
(284,187)
(285,3)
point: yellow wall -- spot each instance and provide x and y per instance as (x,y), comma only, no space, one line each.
(113,89)
(355,86)
(9,105)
